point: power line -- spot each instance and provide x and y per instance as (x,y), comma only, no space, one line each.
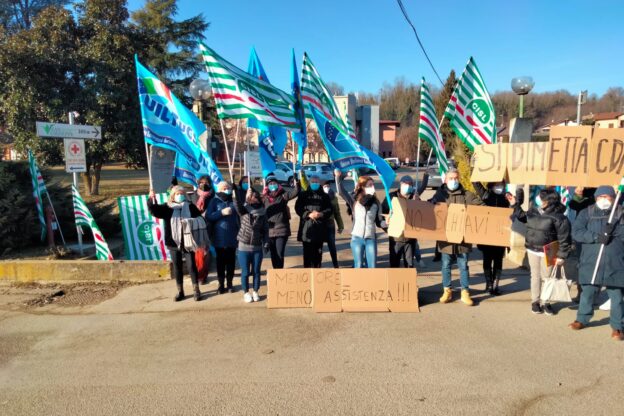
(400,3)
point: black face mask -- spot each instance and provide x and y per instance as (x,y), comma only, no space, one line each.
(204,187)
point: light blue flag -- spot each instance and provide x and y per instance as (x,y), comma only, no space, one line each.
(346,153)
(271,140)
(300,138)
(169,124)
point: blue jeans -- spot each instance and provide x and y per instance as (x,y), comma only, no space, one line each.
(364,246)
(250,261)
(462,265)
(586,305)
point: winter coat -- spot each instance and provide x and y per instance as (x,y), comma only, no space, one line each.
(311,231)
(164,212)
(492,199)
(458,196)
(385,209)
(254,225)
(224,228)
(545,227)
(588,224)
(579,203)
(194,198)
(278,211)
(336,217)
(365,219)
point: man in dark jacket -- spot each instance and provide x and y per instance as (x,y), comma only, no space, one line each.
(452,192)
(315,209)
(404,250)
(592,230)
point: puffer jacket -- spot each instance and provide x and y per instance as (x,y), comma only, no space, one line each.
(311,231)
(278,211)
(588,224)
(365,219)
(458,196)
(224,229)
(544,227)
(254,226)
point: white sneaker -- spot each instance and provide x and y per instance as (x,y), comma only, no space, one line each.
(247,297)
(605,306)
(255,296)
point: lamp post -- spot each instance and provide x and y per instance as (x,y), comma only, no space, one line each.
(522,86)
(582,99)
(201,92)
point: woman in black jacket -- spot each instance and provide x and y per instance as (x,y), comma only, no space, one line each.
(494,196)
(315,209)
(173,212)
(546,224)
(275,199)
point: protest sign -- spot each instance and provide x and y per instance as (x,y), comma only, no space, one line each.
(490,163)
(403,290)
(289,288)
(455,223)
(327,290)
(364,290)
(527,163)
(606,165)
(488,225)
(568,155)
(425,221)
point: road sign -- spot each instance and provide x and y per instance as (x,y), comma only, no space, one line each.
(75,156)
(68,131)
(253,167)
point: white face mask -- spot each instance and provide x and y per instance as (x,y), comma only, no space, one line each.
(538,201)
(498,189)
(326,189)
(603,203)
(452,184)
(370,190)
(406,188)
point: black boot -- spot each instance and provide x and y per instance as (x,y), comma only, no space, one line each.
(487,275)
(496,277)
(180,295)
(230,286)
(197,294)
(221,286)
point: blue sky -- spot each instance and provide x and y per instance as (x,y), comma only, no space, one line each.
(361,44)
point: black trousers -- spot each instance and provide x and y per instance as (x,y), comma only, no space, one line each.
(401,253)
(312,255)
(226,262)
(176,261)
(331,245)
(278,247)
(492,258)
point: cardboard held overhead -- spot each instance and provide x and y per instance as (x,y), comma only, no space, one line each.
(527,163)
(569,155)
(607,163)
(490,163)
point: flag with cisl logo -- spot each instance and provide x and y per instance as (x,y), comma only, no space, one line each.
(144,235)
(470,109)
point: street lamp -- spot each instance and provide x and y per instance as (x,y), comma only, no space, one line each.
(201,92)
(522,86)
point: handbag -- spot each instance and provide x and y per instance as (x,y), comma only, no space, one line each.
(556,289)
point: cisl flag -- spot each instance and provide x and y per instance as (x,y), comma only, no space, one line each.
(144,235)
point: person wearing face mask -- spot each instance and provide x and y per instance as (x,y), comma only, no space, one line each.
(252,237)
(546,223)
(314,208)
(452,192)
(275,199)
(173,212)
(405,252)
(494,196)
(201,198)
(367,216)
(593,230)
(335,219)
(225,225)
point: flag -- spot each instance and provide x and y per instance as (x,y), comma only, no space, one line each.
(184,171)
(315,93)
(84,218)
(300,137)
(169,124)
(144,235)
(470,109)
(564,195)
(39,189)
(350,131)
(241,95)
(346,153)
(271,139)
(429,129)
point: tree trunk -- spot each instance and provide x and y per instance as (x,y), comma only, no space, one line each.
(86,179)
(95,184)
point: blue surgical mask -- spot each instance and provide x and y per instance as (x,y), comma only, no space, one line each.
(315,186)
(273,187)
(245,186)
(452,184)
(227,191)
(179,198)
(538,201)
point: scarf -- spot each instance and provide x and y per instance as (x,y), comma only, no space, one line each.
(272,196)
(224,197)
(367,201)
(180,212)
(202,197)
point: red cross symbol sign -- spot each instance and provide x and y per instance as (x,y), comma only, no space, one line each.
(74,148)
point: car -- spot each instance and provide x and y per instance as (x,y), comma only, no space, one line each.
(435,179)
(284,173)
(323,171)
(393,162)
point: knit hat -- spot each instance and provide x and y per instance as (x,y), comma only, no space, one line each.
(271,178)
(407,179)
(604,190)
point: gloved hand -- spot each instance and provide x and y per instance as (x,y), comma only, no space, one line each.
(603,238)
(608,229)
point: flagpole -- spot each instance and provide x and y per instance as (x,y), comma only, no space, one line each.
(227,150)
(602,246)
(149,165)
(235,143)
(56,218)
(417,162)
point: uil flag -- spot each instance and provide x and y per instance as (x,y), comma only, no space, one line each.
(271,139)
(84,218)
(241,95)
(470,109)
(39,189)
(144,235)
(301,137)
(429,129)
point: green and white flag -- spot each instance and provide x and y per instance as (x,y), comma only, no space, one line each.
(85,219)
(350,130)
(429,129)
(470,109)
(241,95)
(144,235)
(39,189)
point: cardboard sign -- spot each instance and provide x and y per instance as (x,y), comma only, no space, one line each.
(425,221)
(327,290)
(396,222)
(490,163)
(569,155)
(488,225)
(403,290)
(289,288)
(527,163)
(455,223)
(607,157)
(365,290)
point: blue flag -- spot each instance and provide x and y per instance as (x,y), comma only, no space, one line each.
(169,124)
(300,138)
(271,139)
(346,153)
